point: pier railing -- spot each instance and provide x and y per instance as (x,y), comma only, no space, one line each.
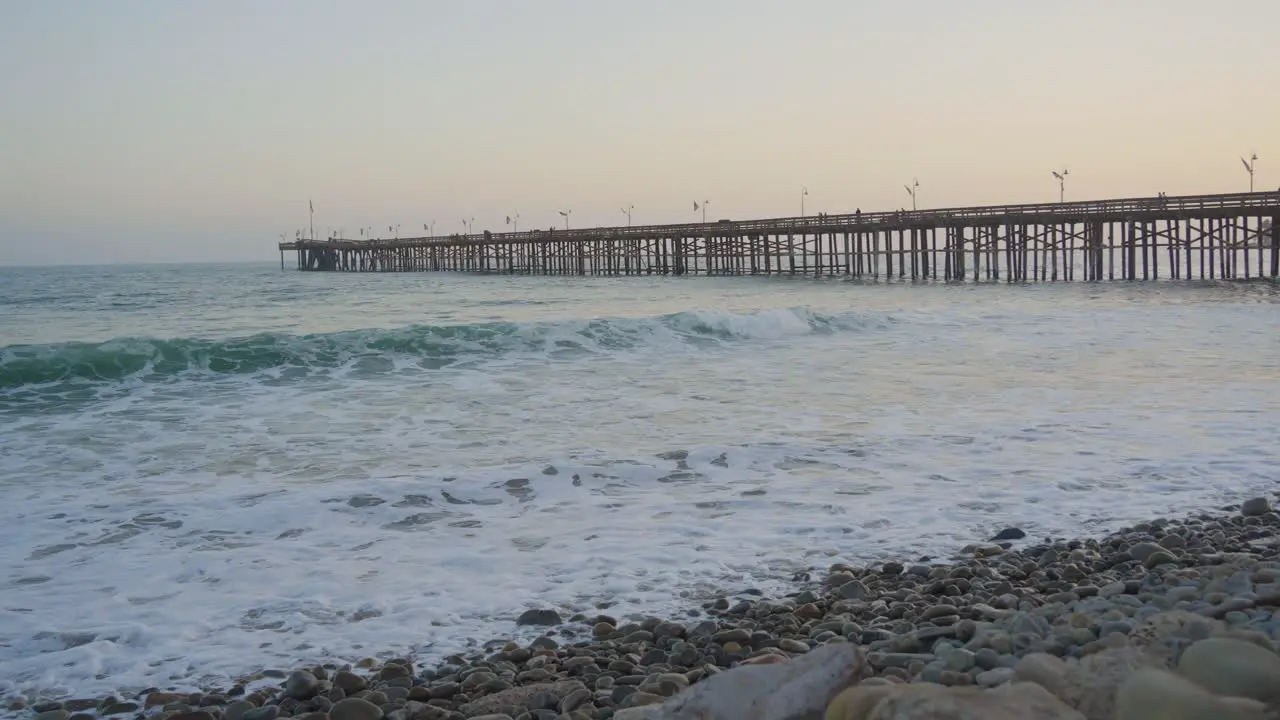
(1079,211)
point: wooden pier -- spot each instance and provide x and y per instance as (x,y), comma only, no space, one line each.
(1234,236)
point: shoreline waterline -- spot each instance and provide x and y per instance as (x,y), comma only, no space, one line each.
(861,604)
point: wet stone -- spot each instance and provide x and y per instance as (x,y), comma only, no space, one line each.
(539,617)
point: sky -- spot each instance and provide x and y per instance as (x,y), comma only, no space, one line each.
(199,130)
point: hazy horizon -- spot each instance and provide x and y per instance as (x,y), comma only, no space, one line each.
(148,131)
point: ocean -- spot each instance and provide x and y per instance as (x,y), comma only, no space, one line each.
(207,470)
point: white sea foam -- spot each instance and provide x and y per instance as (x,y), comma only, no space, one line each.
(192,530)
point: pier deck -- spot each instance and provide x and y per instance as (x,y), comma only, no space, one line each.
(1232,236)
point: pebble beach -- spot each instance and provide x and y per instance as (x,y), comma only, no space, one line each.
(996,612)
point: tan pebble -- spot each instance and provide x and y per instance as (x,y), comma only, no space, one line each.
(793,646)
(1154,694)
(160,699)
(355,709)
(1015,701)
(856,703)
(1252,636)
(1047,671)
(641,698)
(1230,667)
(1247,706)
(765,659)
(678,678)
(809,611)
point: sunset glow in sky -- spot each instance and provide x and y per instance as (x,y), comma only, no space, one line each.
(169,130)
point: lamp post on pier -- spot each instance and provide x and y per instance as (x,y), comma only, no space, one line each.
(627,211)
(514,221)
(565,214)
(804,191)
(1250,165)
(913,190)
(467,224)
(1062,184)
(704,205)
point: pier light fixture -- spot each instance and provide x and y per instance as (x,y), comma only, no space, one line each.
(565,214)
(804,191)
(703,207)
(627,211)
(913,190)
(514,221)
(467,224)
(1062,184)
(1249,166)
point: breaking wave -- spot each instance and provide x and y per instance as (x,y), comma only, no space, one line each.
(430,346)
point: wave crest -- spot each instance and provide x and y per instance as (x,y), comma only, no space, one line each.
(429,346)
